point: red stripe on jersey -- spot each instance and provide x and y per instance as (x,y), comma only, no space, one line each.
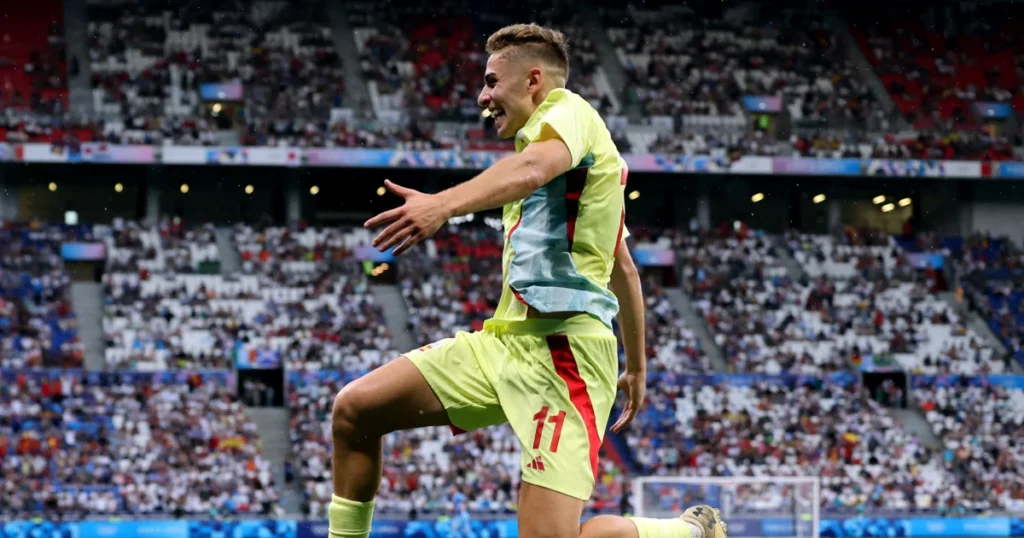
(575,180)
(508,240)
(618,239)
(568,370)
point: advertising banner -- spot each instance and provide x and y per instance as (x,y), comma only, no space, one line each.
(259,156)
(111,153)
(1011,170)
(183,155)
(250,357)
(916,168)
(816,167)
(654,257)
(6,152)
(79,252)
(448,527)
(221,91)
(44,153)
(1009,381)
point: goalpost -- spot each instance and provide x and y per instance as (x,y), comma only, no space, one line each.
(754,506)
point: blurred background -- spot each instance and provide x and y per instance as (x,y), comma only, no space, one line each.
(825,200)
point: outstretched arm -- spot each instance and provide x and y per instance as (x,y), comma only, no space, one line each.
(510,179)
(625,283)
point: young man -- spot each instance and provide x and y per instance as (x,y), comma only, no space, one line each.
(547,362)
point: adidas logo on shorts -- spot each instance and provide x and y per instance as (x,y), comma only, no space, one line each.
(537,464)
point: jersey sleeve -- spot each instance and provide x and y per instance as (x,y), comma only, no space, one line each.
(571,123)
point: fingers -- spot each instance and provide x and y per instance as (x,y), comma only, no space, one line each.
(393,235)
(412,240)
(624,419)
(383,218)
(398,189)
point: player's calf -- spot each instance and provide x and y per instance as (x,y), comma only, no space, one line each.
(393,397)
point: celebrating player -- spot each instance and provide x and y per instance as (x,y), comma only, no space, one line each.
(547,362)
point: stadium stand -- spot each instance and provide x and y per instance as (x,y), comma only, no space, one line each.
(980,425)
(33,58)
(713,62)
(38,327)
(431,70)
(865,459)
(148,63)
(317,309)
(161,311)
(936,63)
(453,283)
(76,444)
(887,311)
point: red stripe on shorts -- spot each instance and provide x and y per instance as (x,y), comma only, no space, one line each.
(566,368)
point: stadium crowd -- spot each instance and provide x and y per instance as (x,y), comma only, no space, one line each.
(38,327)
(74,445)
(980,426)
(865,458)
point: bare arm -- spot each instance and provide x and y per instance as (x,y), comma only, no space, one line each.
(625,283)
(510,179)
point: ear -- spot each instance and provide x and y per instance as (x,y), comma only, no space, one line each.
(535,78)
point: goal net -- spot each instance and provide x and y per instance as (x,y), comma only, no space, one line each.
(753,507)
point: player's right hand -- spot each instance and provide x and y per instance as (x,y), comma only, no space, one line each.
(635,387)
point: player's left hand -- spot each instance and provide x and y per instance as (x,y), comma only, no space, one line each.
(635,387)
(418,218)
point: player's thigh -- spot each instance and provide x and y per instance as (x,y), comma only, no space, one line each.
(460,370)
(545,513)
(558,400)
(393,397)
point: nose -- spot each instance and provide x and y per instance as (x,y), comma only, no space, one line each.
(484,98)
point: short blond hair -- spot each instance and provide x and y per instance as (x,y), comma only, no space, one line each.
(533,42)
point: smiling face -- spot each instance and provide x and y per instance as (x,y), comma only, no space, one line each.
(508,93)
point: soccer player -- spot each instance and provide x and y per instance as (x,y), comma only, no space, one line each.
(547,363)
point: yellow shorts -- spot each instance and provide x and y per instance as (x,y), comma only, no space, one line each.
(552,380)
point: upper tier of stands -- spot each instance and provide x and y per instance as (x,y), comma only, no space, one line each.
(33,58)
(690,65)
(427,61)
(936,62)
(149,59)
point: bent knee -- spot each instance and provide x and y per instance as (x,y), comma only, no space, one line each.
(350,410)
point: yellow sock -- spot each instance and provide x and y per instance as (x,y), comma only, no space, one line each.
(665,528)
(349,519)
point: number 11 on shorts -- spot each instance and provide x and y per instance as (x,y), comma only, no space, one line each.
(540,418)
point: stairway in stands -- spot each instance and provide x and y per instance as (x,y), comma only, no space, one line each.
(87,301)
(272,425)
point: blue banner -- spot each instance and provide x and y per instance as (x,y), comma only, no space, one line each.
(132,529)
(446,527)
(1013,170)
(993,111)
(817,167)
(1009,381)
